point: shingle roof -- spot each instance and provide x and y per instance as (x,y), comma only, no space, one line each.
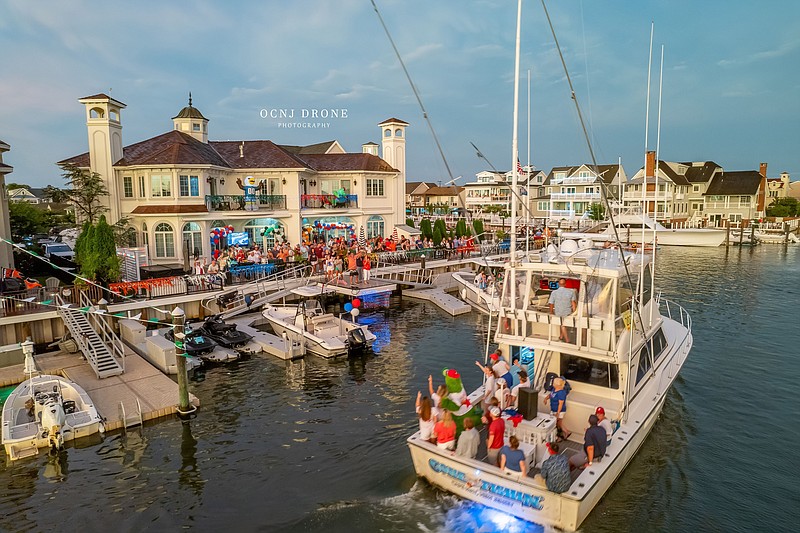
(700,173)
(743,182)
(189,112)
(412,185)
(393,120)
(340,162)
(318,148)
(178,148)
(607,173)
(257,154)
(442,191)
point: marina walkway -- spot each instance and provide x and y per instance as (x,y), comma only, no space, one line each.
(156,393)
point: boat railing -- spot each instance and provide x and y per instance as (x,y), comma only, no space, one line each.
(676,312)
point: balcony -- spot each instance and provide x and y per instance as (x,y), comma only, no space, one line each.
(232,202)
(328,201)
(576,196)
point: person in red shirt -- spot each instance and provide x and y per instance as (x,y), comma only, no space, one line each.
(494,441)
(445,432)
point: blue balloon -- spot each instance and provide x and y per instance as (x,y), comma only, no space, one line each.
(348,307)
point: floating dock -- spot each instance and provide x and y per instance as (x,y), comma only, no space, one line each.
(437,296)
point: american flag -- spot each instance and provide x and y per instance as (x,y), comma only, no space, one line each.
(519,167)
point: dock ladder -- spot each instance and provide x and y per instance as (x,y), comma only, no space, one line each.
(135,419)
(102,347)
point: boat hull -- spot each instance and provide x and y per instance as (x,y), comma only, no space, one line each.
(23,437)
(327,347)
(664,236)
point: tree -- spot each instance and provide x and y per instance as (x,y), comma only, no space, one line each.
(477,224)
(124,233)
(441,226)
(99,253)
(410,222)
(437,236)
(85,189)
(783,207)
(597,211)
(461,228)
(81,242)
(425,227)
(25,219)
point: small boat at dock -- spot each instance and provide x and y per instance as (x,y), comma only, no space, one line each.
(45,412)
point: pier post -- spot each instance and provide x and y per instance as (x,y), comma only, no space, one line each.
(727,233)
(178,319)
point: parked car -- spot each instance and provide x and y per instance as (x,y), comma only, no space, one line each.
(60,249)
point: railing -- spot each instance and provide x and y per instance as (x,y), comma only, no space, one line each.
(576,180)
(246,273)
(575,196)
(328,201)
(171,286)
(228,202)
(106,332)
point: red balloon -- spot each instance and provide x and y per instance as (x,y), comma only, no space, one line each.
(356,303)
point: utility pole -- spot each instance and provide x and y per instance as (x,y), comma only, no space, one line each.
(178,319)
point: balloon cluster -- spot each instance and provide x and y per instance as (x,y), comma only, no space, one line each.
(335,225)
(271,229)
(352,307)
(220,233)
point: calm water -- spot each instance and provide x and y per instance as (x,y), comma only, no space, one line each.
(319,446)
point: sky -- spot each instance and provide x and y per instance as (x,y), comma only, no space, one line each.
(730,91)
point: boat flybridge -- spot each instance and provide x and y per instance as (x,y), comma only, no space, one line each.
(625,346)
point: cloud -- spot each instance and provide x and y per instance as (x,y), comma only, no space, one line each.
(781,50)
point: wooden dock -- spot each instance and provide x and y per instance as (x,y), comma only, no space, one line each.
(156,393)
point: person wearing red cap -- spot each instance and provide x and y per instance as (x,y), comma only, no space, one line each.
(604,423)
(500,368)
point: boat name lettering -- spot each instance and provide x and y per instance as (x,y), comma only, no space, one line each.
(527,500)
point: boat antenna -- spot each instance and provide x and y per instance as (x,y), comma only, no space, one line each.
(603,186)
(528,176)
(419,101)
(515,159)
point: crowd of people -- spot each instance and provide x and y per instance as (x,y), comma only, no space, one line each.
(501,394)
(328,256)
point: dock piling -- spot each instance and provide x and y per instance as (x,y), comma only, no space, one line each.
(178,319)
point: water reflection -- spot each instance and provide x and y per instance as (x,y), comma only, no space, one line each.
(189,473)
(57,467)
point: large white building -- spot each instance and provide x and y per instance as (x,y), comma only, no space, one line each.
(177,187)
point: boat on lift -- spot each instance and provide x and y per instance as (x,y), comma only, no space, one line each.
(47,411)
(323,334)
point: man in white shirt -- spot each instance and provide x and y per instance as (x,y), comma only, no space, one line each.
(523,383)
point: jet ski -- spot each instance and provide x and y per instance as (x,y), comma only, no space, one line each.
(226,335)
(195,343)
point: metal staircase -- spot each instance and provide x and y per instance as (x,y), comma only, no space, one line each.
(410,274)
(541,370)
(102,347)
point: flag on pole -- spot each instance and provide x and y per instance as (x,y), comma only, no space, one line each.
(519,167)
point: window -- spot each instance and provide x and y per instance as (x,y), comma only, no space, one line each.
(189,186)
(544,206)
(375,187)
(127,186)
(398,132)
(160,186)
(145,236)
(255,230)
(375,227)
(96,112)
(387,133)
(744,201)
(656,346)
(696,188)
(193,238)
(195,126)
(165,240)
(142,190)
(576,368)
(567,190)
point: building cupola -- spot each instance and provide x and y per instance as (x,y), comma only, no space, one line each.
(190,120)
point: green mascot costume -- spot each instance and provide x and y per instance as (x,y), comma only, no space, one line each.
(457,402)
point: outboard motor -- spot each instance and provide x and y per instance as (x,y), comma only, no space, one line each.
(53,421)
(356,340)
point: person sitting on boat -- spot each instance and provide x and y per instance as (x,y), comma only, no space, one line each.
(445,432)
(512,459)
(494,441)
(426,419)
(555,471)
(523,384)
(563,302)
(489,385)
(468,441)
(604,423)
(558,405)
(500,368)
(594,446)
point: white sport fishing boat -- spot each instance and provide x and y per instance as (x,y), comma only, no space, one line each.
(45,412)
(630,230)
(626,348)
(484,298)
(322,333)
